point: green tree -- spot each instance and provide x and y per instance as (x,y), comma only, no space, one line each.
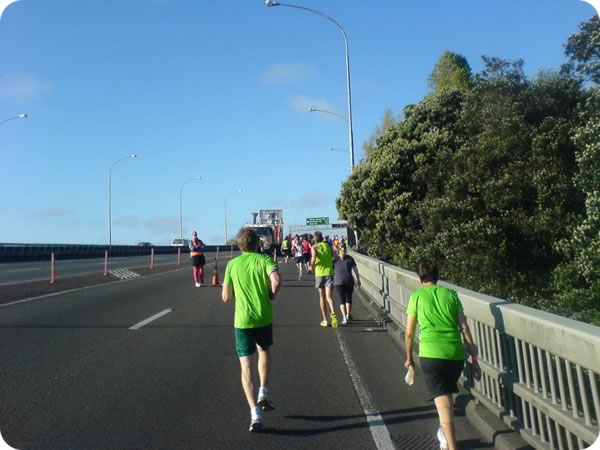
(583,50)
(497,180)
(577,278)
(452,71)
(387,122)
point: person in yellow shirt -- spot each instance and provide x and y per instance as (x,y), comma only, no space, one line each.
(322,263)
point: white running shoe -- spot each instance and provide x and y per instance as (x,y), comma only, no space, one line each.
(256,420)
(197,284)
(264,401)
(344,321)
(442,439)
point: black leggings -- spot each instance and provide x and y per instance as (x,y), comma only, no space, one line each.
(344,291)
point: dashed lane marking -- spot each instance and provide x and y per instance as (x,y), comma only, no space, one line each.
(137,326)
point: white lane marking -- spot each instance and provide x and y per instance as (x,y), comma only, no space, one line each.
(377,426)
(137,326)
(24,270)
(124,274)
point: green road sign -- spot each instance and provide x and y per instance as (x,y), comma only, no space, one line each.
(317,221)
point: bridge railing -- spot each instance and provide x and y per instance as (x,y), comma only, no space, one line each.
(540,371)
(41,252)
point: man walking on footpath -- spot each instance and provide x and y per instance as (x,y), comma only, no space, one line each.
(253,280)
(322,263)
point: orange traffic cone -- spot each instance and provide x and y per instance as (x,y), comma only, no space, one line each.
(214,281)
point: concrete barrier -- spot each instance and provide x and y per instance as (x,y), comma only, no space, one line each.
(541,372)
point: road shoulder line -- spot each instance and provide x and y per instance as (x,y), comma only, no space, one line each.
(377,426)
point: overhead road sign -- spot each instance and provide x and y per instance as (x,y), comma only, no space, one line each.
(311,221)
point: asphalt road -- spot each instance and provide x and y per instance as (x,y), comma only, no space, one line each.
(22,272)
(75,375)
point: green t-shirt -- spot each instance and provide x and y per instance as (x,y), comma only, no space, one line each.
(436,309)
(249,276)
(324,260)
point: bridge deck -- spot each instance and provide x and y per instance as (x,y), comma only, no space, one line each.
(75,375)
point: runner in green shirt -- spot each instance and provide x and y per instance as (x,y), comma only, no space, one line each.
(322,263)
(285,248)
(253,280)
(439,313)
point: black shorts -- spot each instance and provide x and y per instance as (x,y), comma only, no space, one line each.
(306,257)
(198,261)
(441,375)
(286,252)
(299,259)
(344,292)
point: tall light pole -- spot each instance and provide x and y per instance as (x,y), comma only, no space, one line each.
(110,197)
(270,3)
(226,198)
(20,116)
(180,214)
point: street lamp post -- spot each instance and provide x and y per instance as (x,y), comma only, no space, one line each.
(180,213)
(270,3)
(226,198)
(110,197)
(20,116)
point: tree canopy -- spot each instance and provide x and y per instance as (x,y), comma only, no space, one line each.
(496,177)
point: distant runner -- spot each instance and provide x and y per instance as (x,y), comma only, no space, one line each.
(198,259)
(253,280)
(322,261)
(298,257)
(285,248)
(343,282)
(306,252)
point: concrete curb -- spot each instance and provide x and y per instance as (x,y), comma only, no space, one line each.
(491,428)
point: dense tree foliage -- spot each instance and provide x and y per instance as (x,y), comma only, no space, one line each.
(583,50)
(452,71)
(387,122)
(497,178)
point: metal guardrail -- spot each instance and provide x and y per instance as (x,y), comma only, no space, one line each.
(40,252)
(540,371)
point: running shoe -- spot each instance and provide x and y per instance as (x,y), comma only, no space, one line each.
(344,321)
(197,284)
(350,317)
(264,401)
(442,439)
(334,321)
(324,323)
(256,420)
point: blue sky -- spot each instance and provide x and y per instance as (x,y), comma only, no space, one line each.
(219,90)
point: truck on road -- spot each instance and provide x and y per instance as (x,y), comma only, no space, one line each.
(268,224)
